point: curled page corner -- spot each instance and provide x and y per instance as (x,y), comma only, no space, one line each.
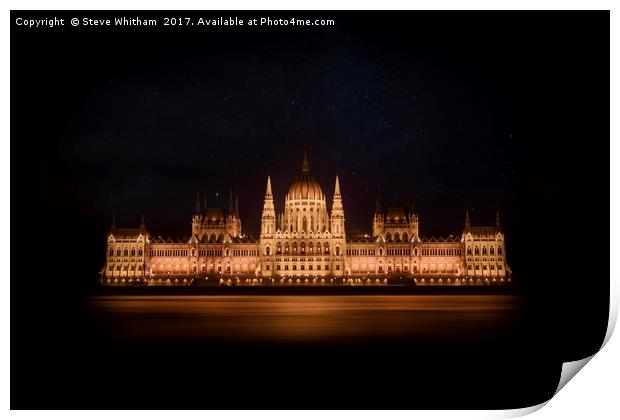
(570,369)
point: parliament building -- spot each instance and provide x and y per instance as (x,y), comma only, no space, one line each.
(306,243)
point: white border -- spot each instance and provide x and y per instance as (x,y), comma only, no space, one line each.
(593,395)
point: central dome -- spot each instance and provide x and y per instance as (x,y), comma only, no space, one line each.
(305,186)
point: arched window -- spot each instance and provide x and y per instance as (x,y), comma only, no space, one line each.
(286,247)
(484,250)
(193,252)
(279,248)
(302,245)
(492,251)
(468,251)
(295,247)
(227,252)
(125,253)
(499,250)
(381,252)
(337,250)
(477,251)
(326,247)
(405,236)
(118,252)
(388,237)
(396,237)
(267,250)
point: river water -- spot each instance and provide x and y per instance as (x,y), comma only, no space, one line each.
(309,319)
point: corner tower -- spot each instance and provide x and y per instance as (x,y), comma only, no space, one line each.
(267,232)
(339,240)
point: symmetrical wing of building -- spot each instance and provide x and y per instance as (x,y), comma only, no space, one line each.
(306,240)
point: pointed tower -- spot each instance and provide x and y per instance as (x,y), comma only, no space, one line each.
(237,217)
(338,232)
(467,224)
(337,210)
(197,218)
(204,206)
(230,203)
(268,219)
(414,220)
(305,166)
(498,226)
(267,232)
(233,223)
(377,223)
(197,206)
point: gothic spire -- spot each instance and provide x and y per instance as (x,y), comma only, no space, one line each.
(237,206)
(378,201)
(337,187)
(197,209)
(305,166)
(497,224)
(337,202)
(268,192)
(467,225)
(230,202)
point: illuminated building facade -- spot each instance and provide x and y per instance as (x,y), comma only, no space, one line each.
(307,240)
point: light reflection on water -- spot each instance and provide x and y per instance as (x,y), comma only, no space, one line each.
(306,318)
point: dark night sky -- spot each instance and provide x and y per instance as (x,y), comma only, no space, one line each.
(147,119)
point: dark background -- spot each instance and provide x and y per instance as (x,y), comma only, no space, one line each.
(483,111)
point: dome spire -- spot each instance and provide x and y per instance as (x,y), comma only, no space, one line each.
(305,166)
